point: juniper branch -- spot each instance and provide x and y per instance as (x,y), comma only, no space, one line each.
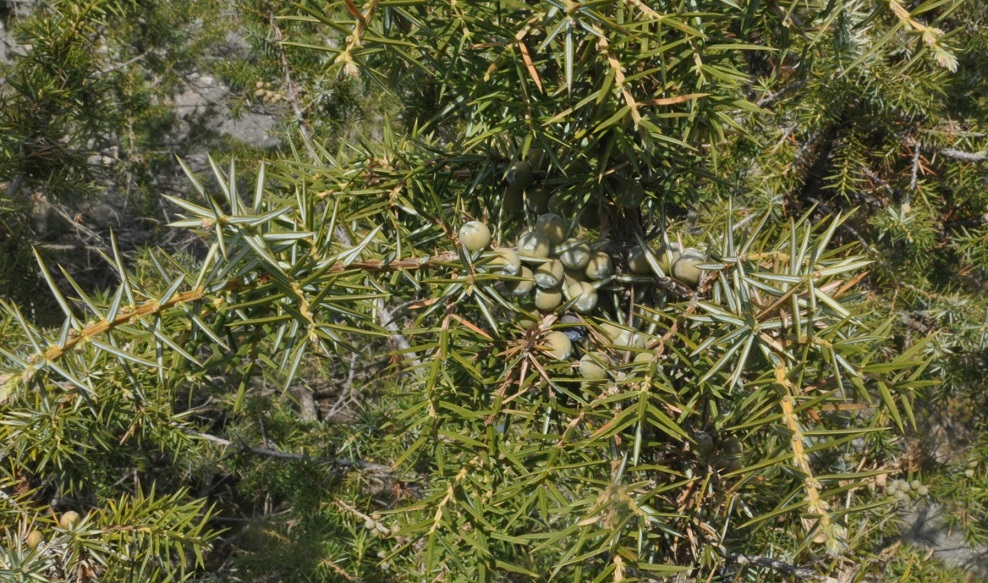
(129,314)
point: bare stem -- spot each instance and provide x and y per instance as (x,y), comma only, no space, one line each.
(786,568)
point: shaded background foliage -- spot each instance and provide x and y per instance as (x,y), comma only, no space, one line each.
(248,393)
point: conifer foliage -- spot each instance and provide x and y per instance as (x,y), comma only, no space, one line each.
(639,289)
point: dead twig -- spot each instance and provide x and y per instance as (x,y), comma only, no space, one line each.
(291,89)
(781,567)
(15,185)
(964,156)
(772,98)
(86,234)
(386,318)
(345,464)
(880,182)
(915,172)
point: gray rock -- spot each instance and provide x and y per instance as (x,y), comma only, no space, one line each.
(926,527)
(206,103)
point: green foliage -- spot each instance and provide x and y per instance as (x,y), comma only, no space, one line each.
(279,73)
(84,102)
(93,77)
(818,155)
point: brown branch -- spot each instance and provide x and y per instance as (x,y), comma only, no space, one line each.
(384,315)
(128,314)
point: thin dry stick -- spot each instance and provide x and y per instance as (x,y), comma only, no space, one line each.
(128,314)
(772,98)
(342,463)
(915,172)
(82,229)
(877,179)
(387,319)
(964,156)
(291,92)
(785,568)
(15,185)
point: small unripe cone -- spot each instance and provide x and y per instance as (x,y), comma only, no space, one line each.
(534,156)
(643,357)
(573,327)
(522,286)
(922,490)
(571,277)
(628,339)
(637,261)
(558,345)
(667,257)
(553,227)
(549,274)
(507,261)
(548,300)
(574,254)
(578,167)
(590,215)
(630,195)
(730,465)
(475,236)
(584,297)
(526,323)
(599,266)
(686,270)
(593,366)
(520,175)
(704,443)
(533,245)
(513,200)
(732,445)
(611,331)
(558,205)
(68,519)
(34,539)
(915,484)
(538,200)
